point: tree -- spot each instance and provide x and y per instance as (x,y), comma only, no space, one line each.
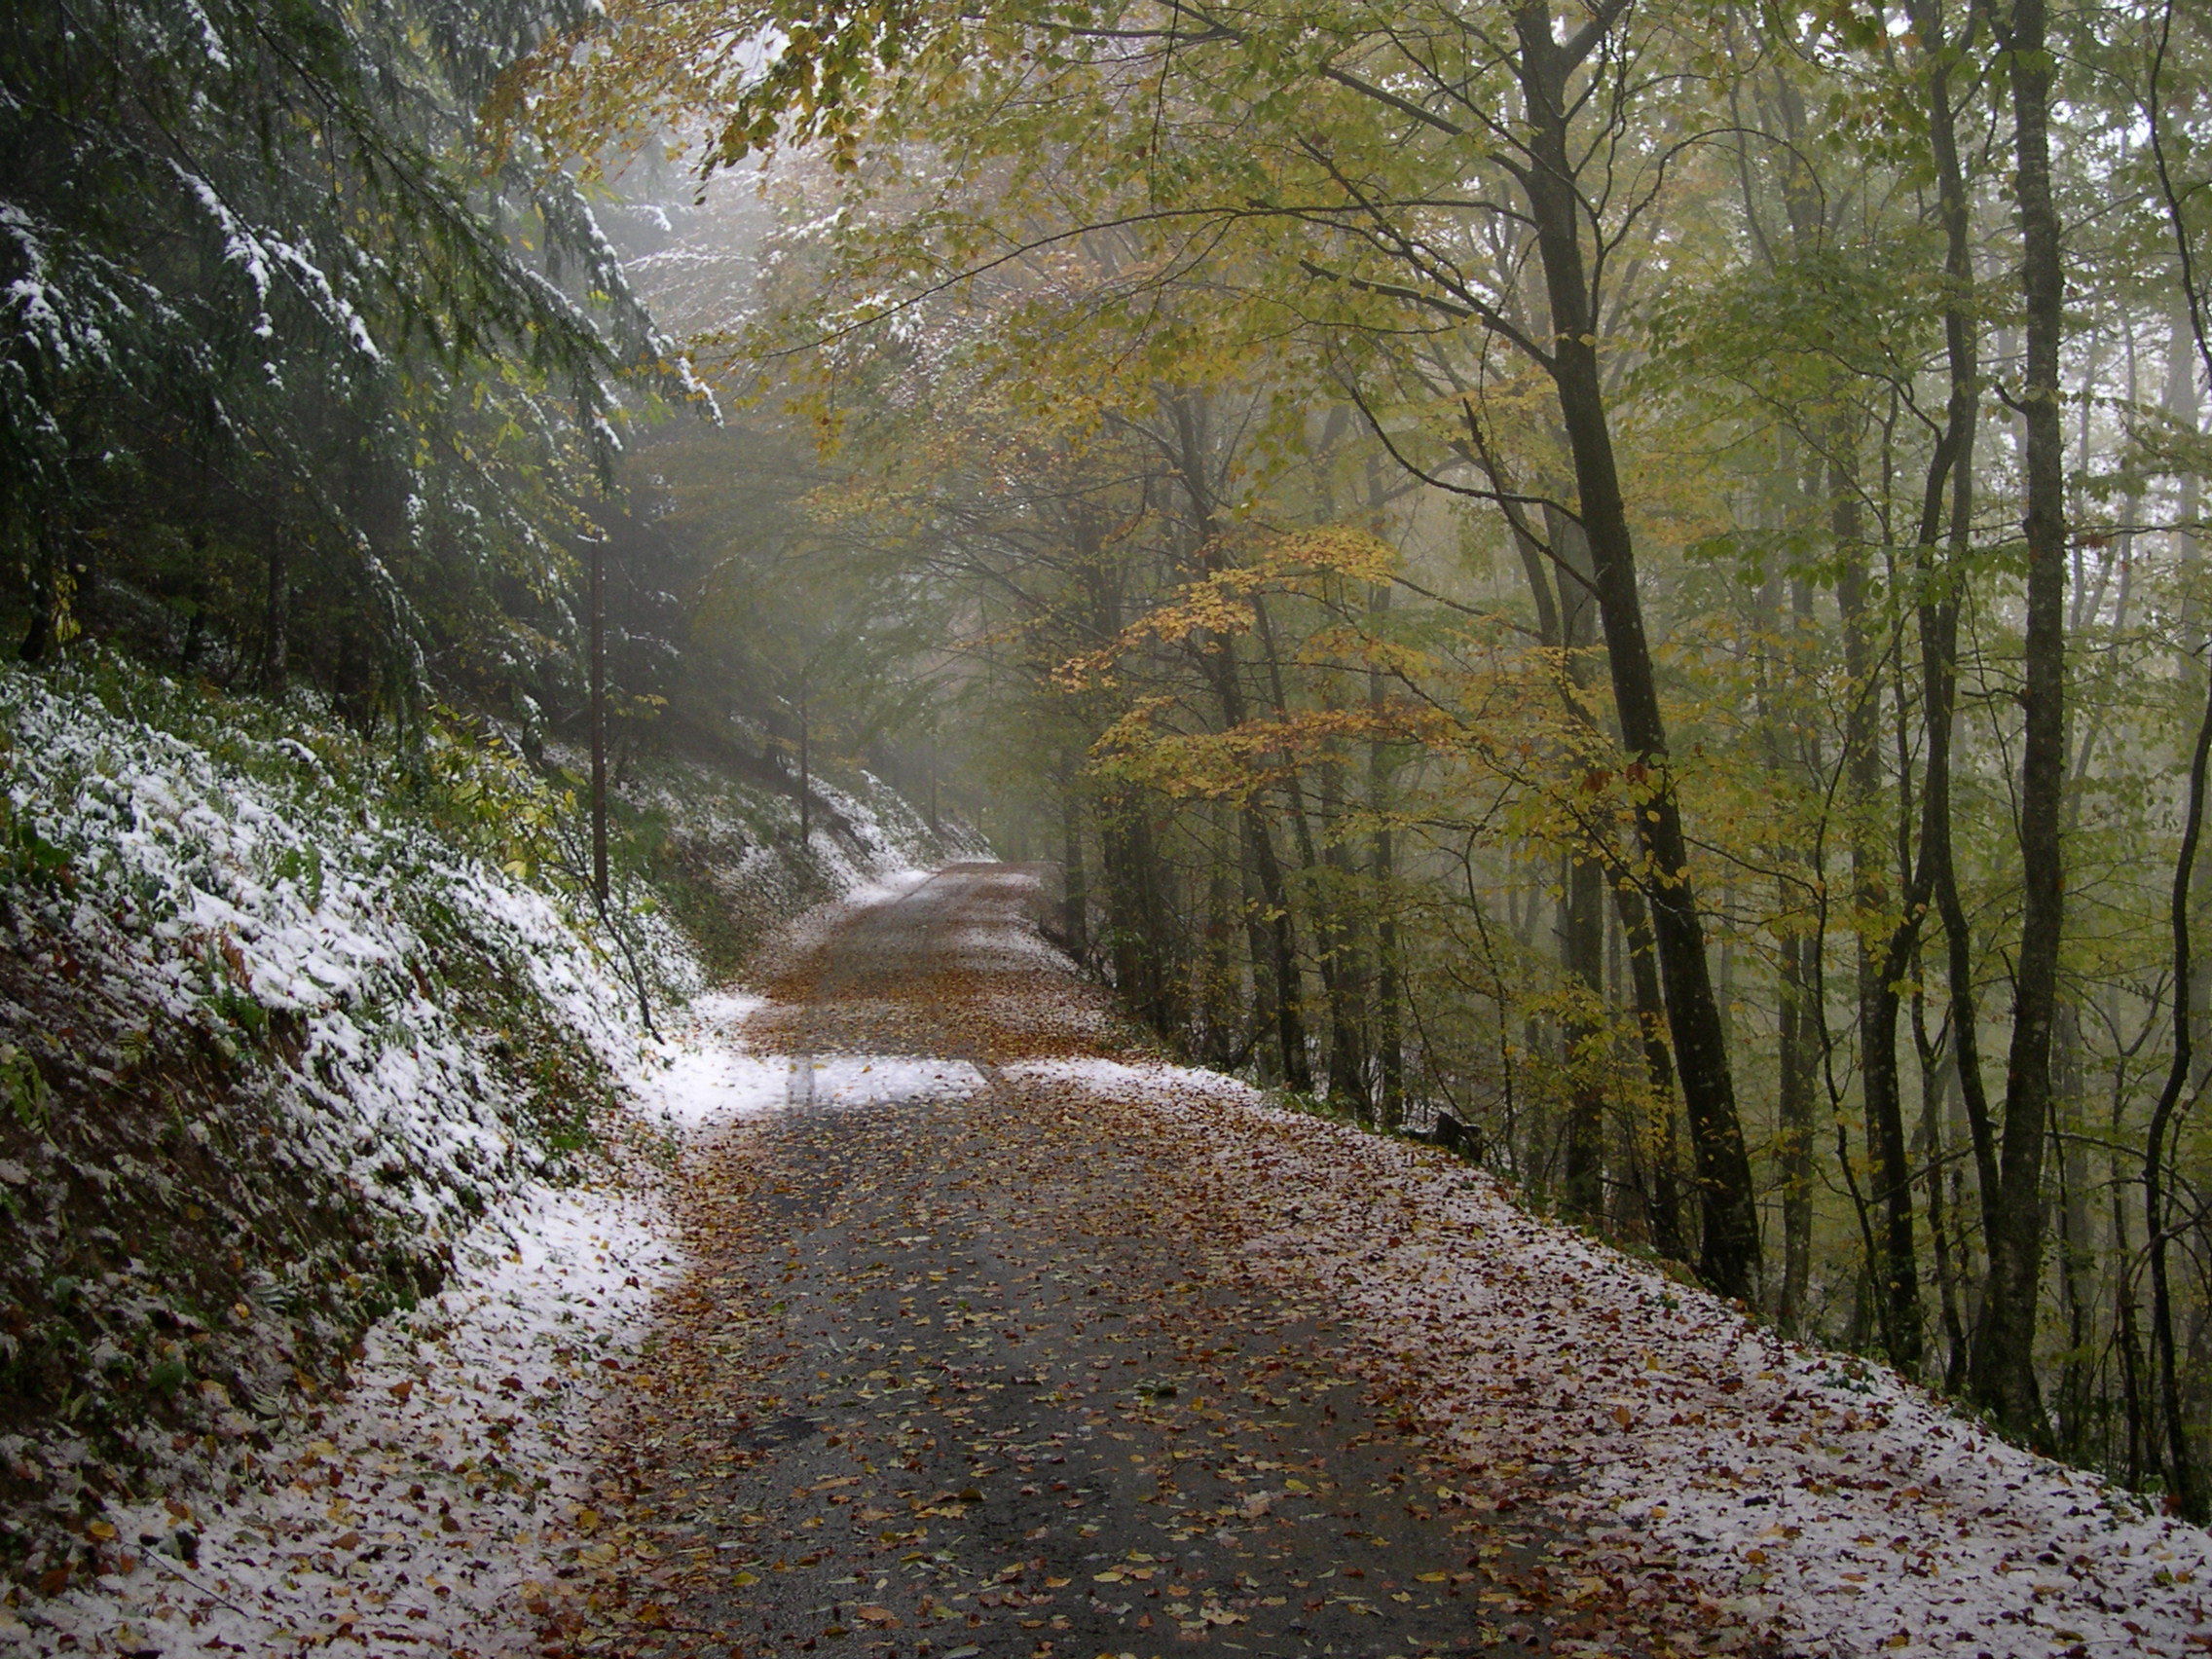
(306,396)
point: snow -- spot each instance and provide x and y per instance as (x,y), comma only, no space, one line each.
(1810,1491)
(255,251)
(877,1079)
(882,891)
(700,1088)
(440,1498)
(208,890)
(710,1087)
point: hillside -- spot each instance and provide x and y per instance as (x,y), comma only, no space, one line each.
(284,1017)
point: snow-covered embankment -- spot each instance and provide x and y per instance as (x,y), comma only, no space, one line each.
(330,1194)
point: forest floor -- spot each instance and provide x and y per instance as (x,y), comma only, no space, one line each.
(938,1317)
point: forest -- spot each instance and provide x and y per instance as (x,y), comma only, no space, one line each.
(1618,584)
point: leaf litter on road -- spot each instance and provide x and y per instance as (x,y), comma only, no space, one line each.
(991,1370)
(1114,1353)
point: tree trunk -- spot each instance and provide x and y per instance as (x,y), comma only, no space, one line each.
(2126,1336)
(1142,943)
(1218,659)
(597,604)
(1224,1025)
(1331,938)
(805,769)
(1347,1057)
(2077,1245)
(1582,949)
(1258,950)
(1389,1043)
(42,631)
(276,617)
(1938,607)
(2181,1465)
(1664,1211)
(1074,904)
(2182,1471)
(1936,1079)
(1729,1246)
(1274,920)
(1582,922)
(1290,1019)
(1896,1271)
(1796,1090)
(2183,403)
(2003,1374)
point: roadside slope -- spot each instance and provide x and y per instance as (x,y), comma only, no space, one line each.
(327,1109)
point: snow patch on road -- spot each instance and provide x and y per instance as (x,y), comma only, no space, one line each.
(887,889)
(712,1088)
(877,1079)
(704,1087)
(1811,1492)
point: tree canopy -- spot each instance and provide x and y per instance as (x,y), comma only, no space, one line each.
(1618,583)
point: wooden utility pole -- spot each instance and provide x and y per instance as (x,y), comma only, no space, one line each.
(599,720)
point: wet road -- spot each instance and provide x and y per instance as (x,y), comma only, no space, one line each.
(970,1370)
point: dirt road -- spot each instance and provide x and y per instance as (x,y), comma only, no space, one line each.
(966,1366)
